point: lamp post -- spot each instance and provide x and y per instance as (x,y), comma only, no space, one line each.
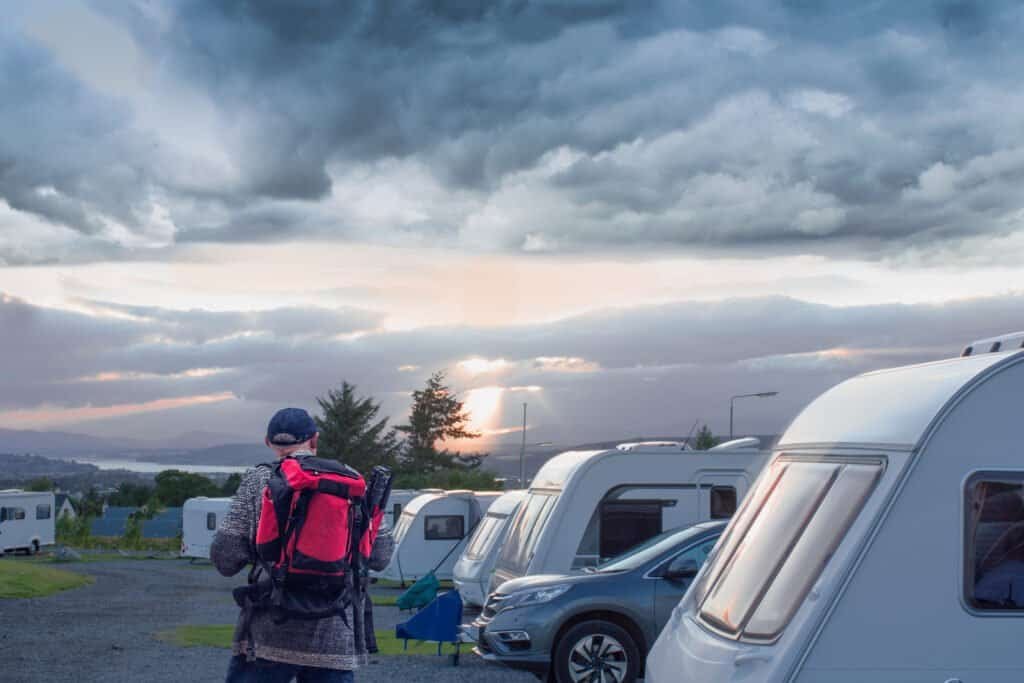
(522,452)
(732,399)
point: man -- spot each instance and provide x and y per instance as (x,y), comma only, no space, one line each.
(314,651)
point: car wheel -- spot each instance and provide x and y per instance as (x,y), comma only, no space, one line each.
(596,652)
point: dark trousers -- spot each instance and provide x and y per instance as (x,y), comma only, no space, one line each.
(265,671)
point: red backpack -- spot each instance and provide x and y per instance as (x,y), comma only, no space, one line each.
(316,530)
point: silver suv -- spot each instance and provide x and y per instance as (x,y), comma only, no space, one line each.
(595,626)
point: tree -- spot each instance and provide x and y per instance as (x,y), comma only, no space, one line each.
(130,495)
(174,487)
(41,484)
(133,526)
(230,486)
(436,415)
(705,439)
(352,433)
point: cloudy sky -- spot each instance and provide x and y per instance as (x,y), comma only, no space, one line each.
(621,213)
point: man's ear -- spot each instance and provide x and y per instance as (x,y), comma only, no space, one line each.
(266,440)
(313,442)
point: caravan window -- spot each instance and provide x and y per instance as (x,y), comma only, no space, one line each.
(994,539)
(211,521)
(43,511)
(723,502)
(402,527)
(9,514)
(526,531)
(780,542)
(626,523)
(444,527)
(477,547)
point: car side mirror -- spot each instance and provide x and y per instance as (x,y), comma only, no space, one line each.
(682,569)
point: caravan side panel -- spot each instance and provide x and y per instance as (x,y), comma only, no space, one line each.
(903,615)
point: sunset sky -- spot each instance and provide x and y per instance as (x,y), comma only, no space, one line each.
(621,213)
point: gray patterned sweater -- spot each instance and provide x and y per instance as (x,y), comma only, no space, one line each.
(325,643)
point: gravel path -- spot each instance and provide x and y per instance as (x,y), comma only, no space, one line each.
(105,631)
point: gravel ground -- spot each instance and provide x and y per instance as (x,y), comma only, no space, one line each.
(106,631)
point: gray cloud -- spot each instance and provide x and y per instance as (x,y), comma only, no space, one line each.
(793,125)
(648,369)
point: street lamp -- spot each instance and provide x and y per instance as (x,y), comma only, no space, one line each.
(760,394)
(522,452)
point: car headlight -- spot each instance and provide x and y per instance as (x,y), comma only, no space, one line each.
(534,596)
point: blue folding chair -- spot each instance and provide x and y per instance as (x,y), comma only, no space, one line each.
(438,621)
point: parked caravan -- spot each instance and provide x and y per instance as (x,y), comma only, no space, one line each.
(431,531)
(472,572)
(585,507)
(885,540)
(200,518)
(26,520)
(397,501)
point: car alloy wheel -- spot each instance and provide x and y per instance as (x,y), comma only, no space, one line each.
(598,658)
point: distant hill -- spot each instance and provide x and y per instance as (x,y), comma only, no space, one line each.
(200,439)
(232,454)
(31,441)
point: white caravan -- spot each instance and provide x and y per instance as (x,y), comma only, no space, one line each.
(26,520)
(398,500)
(431,531)
(200,518)
(587,506)
(884,542)
(472,573)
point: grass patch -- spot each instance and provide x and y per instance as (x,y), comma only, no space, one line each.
(30,580)
(388,583)
(220,635)
(384,600)
(215,635)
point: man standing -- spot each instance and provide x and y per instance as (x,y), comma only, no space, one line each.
(324,650)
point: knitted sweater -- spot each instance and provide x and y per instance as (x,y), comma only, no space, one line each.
(324,643)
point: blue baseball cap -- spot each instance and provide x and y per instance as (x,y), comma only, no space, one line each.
(290,426)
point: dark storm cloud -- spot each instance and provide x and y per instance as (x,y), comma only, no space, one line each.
(644,367)
(818,126)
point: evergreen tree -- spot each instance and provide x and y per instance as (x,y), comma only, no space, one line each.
(705,439)
(436,416)
(351,432)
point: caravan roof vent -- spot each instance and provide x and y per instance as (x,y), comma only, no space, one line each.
(746,442)
(1004,342)
(651,445)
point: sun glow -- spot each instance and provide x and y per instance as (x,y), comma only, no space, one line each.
(484,407)
(480,366)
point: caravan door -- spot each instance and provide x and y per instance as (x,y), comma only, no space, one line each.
(719,494)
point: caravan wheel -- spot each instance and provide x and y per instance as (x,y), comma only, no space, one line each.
(596,651)
(34,548)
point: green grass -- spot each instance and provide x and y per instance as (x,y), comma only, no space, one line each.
(388,583)
(220,635)
(217,635)
(30,580)
(384,600)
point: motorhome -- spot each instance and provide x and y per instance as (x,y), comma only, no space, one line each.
(27,521)
(431,532)
(200,518)
(584,507)
(884,541)
(472,572)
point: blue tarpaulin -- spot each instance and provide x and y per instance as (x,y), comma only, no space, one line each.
(167,524)
(438,621)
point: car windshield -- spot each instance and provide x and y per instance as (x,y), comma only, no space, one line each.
(649,550)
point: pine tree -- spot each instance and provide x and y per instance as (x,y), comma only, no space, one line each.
(436,416)
(705,439)
(351,432)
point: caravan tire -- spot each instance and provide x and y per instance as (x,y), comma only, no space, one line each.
(34,548)
(596,647)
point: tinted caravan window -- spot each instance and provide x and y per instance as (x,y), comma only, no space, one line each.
(780,541)
(444,527)
(482,536)
(525,531)
(43,511)
(627,523)
(211,521)
(994,538)
(723,502)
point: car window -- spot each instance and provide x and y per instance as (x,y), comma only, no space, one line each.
(994,542)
